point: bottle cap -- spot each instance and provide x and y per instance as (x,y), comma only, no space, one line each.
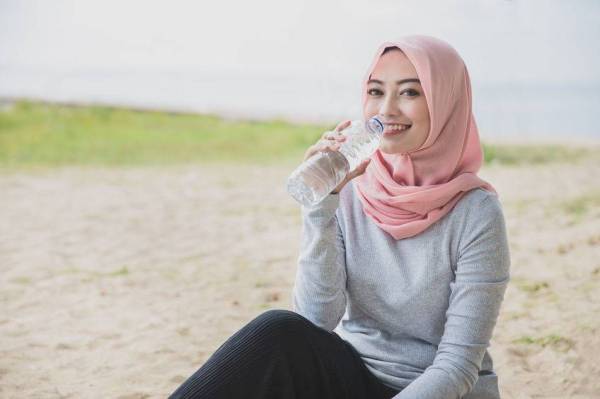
(374,125)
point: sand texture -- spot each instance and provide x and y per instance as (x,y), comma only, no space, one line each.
(120,283)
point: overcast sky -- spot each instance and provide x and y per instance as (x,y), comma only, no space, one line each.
(501,40)
(533,63)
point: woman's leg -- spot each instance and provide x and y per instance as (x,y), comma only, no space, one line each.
(281,354)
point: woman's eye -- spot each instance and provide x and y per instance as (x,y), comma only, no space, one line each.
(411,92)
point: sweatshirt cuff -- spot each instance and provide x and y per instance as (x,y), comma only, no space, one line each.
(324,209)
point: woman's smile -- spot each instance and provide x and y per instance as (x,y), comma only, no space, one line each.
(395,129)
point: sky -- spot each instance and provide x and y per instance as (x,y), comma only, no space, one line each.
(323,44)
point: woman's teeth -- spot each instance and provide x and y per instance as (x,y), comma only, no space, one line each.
(397,127)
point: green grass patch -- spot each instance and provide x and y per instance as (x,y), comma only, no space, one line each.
(533,287)
(122,271)
(39,134)
(580,206)
(553,340)
(34,134)
(23,280)
(510,154)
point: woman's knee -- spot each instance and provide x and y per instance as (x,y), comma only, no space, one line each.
(280,323)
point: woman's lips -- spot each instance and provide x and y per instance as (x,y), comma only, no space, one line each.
(389,130)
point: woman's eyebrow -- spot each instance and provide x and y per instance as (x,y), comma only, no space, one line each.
(399,82)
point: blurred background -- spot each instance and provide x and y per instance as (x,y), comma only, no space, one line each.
(144,147)
(533,64)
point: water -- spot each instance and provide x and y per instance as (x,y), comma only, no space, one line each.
(319,175)
(315,178)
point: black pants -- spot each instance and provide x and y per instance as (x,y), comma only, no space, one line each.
(281,354)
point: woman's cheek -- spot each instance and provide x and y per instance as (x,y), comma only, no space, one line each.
(371,107)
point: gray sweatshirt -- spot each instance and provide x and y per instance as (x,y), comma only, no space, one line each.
(420,310)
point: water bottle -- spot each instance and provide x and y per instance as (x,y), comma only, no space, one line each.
(316,177)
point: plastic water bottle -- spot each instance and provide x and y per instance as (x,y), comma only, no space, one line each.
(316,177)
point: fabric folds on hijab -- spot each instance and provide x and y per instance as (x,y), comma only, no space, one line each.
(406,193)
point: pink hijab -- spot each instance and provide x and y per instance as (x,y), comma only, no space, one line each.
(404,194)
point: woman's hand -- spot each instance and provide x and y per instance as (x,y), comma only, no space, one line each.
(331,141)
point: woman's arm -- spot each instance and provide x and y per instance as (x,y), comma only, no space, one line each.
(319,288)
(482,276)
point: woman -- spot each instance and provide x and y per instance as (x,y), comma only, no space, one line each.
(401,272)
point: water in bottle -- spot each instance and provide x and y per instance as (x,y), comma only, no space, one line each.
(316,177)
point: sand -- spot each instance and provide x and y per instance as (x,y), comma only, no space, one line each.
(120,283)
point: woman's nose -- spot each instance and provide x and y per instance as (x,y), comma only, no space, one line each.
(388,106)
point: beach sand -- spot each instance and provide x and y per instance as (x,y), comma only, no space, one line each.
(120,283)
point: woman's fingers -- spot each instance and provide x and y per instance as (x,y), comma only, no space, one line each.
(321,147)
(329,138)
(342,125)
(334,137)
(361,168)
(333,134)
(330,147)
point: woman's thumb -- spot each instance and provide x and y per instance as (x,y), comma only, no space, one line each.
(363,167)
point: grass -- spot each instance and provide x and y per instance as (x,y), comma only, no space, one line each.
(582,205)
(510,154)
(39,134)
(533,287)
(553,340)
(23,280)
(122,271)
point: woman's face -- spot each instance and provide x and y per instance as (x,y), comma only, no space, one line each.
(396,103)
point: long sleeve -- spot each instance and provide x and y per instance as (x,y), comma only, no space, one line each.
(319,288)
(481,278)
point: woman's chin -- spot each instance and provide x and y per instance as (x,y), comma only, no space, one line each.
(386,148)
